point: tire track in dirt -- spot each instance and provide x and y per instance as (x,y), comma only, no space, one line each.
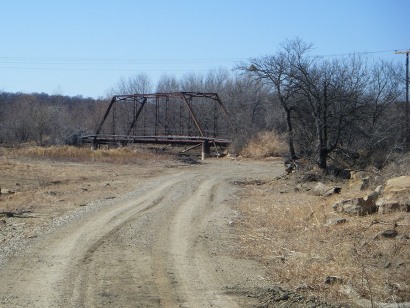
(85,293)
(41,276)
(166,245)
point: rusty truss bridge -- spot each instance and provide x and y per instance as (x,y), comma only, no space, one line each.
(184,118)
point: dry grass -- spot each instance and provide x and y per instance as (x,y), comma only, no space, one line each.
(265,144)
(57,179)
(123,155)
(286,230)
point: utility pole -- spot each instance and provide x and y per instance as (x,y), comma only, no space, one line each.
(407,136)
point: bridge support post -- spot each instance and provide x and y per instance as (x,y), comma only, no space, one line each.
(206,149)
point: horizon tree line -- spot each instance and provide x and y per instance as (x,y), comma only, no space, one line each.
(329,109)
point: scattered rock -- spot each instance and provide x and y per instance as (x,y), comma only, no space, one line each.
(333,280)
(373,196)
(5,191)
(277,297)
(391,233)
(389,206)
(379,189)
(335,221)
(356,206)
(396,196)
(364,183)
(399,185)
(323,190)
(360,179)
(52,193)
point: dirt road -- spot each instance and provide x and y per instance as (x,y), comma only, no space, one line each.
(169,243)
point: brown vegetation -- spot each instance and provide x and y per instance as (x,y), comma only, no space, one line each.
(264,144)
(288,228)
(282,224)
(39,178)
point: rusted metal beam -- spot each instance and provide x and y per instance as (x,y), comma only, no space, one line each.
(186,98)
(137,115)
(153,103)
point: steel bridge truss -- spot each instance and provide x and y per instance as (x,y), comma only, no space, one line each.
(167,118)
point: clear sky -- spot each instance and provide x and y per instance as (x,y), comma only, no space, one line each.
(83,47)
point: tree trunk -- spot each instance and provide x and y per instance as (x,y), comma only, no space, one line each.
(322,150)
(290,133)
(322,159)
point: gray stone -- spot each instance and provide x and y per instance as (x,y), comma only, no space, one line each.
(5,191)
(379,189)
(396,196)
(333,280)
(373,196)
(321,189)
(356,206)
(335,221)
(391,233)
(364,183)
(389,206)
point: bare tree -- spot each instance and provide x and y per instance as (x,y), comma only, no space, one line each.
(167,83)
(139,83)
(331,93)
(277,71)
(382,91)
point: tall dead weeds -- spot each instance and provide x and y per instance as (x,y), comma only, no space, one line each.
(285,228)
(265,144)
(122,155)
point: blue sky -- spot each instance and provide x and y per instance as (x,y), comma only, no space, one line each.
(83,47)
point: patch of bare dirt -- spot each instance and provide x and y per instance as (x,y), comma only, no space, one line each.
(125,235)
(223,233)
(39,190)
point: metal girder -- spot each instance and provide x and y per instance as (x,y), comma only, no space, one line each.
(140,104)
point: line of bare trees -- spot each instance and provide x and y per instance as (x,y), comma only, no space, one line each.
(328,108)
(46,119)
(341,105)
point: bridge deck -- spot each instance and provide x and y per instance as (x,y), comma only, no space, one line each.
(106,139)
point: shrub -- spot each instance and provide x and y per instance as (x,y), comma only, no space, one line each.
(265,144)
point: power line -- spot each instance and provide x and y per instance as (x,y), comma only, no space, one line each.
(116,64)
(116,61)
(357,53)
(110,64)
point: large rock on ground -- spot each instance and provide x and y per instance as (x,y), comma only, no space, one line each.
(321,189)
(397,187)
(360,179)
(357,206)
(396,195)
